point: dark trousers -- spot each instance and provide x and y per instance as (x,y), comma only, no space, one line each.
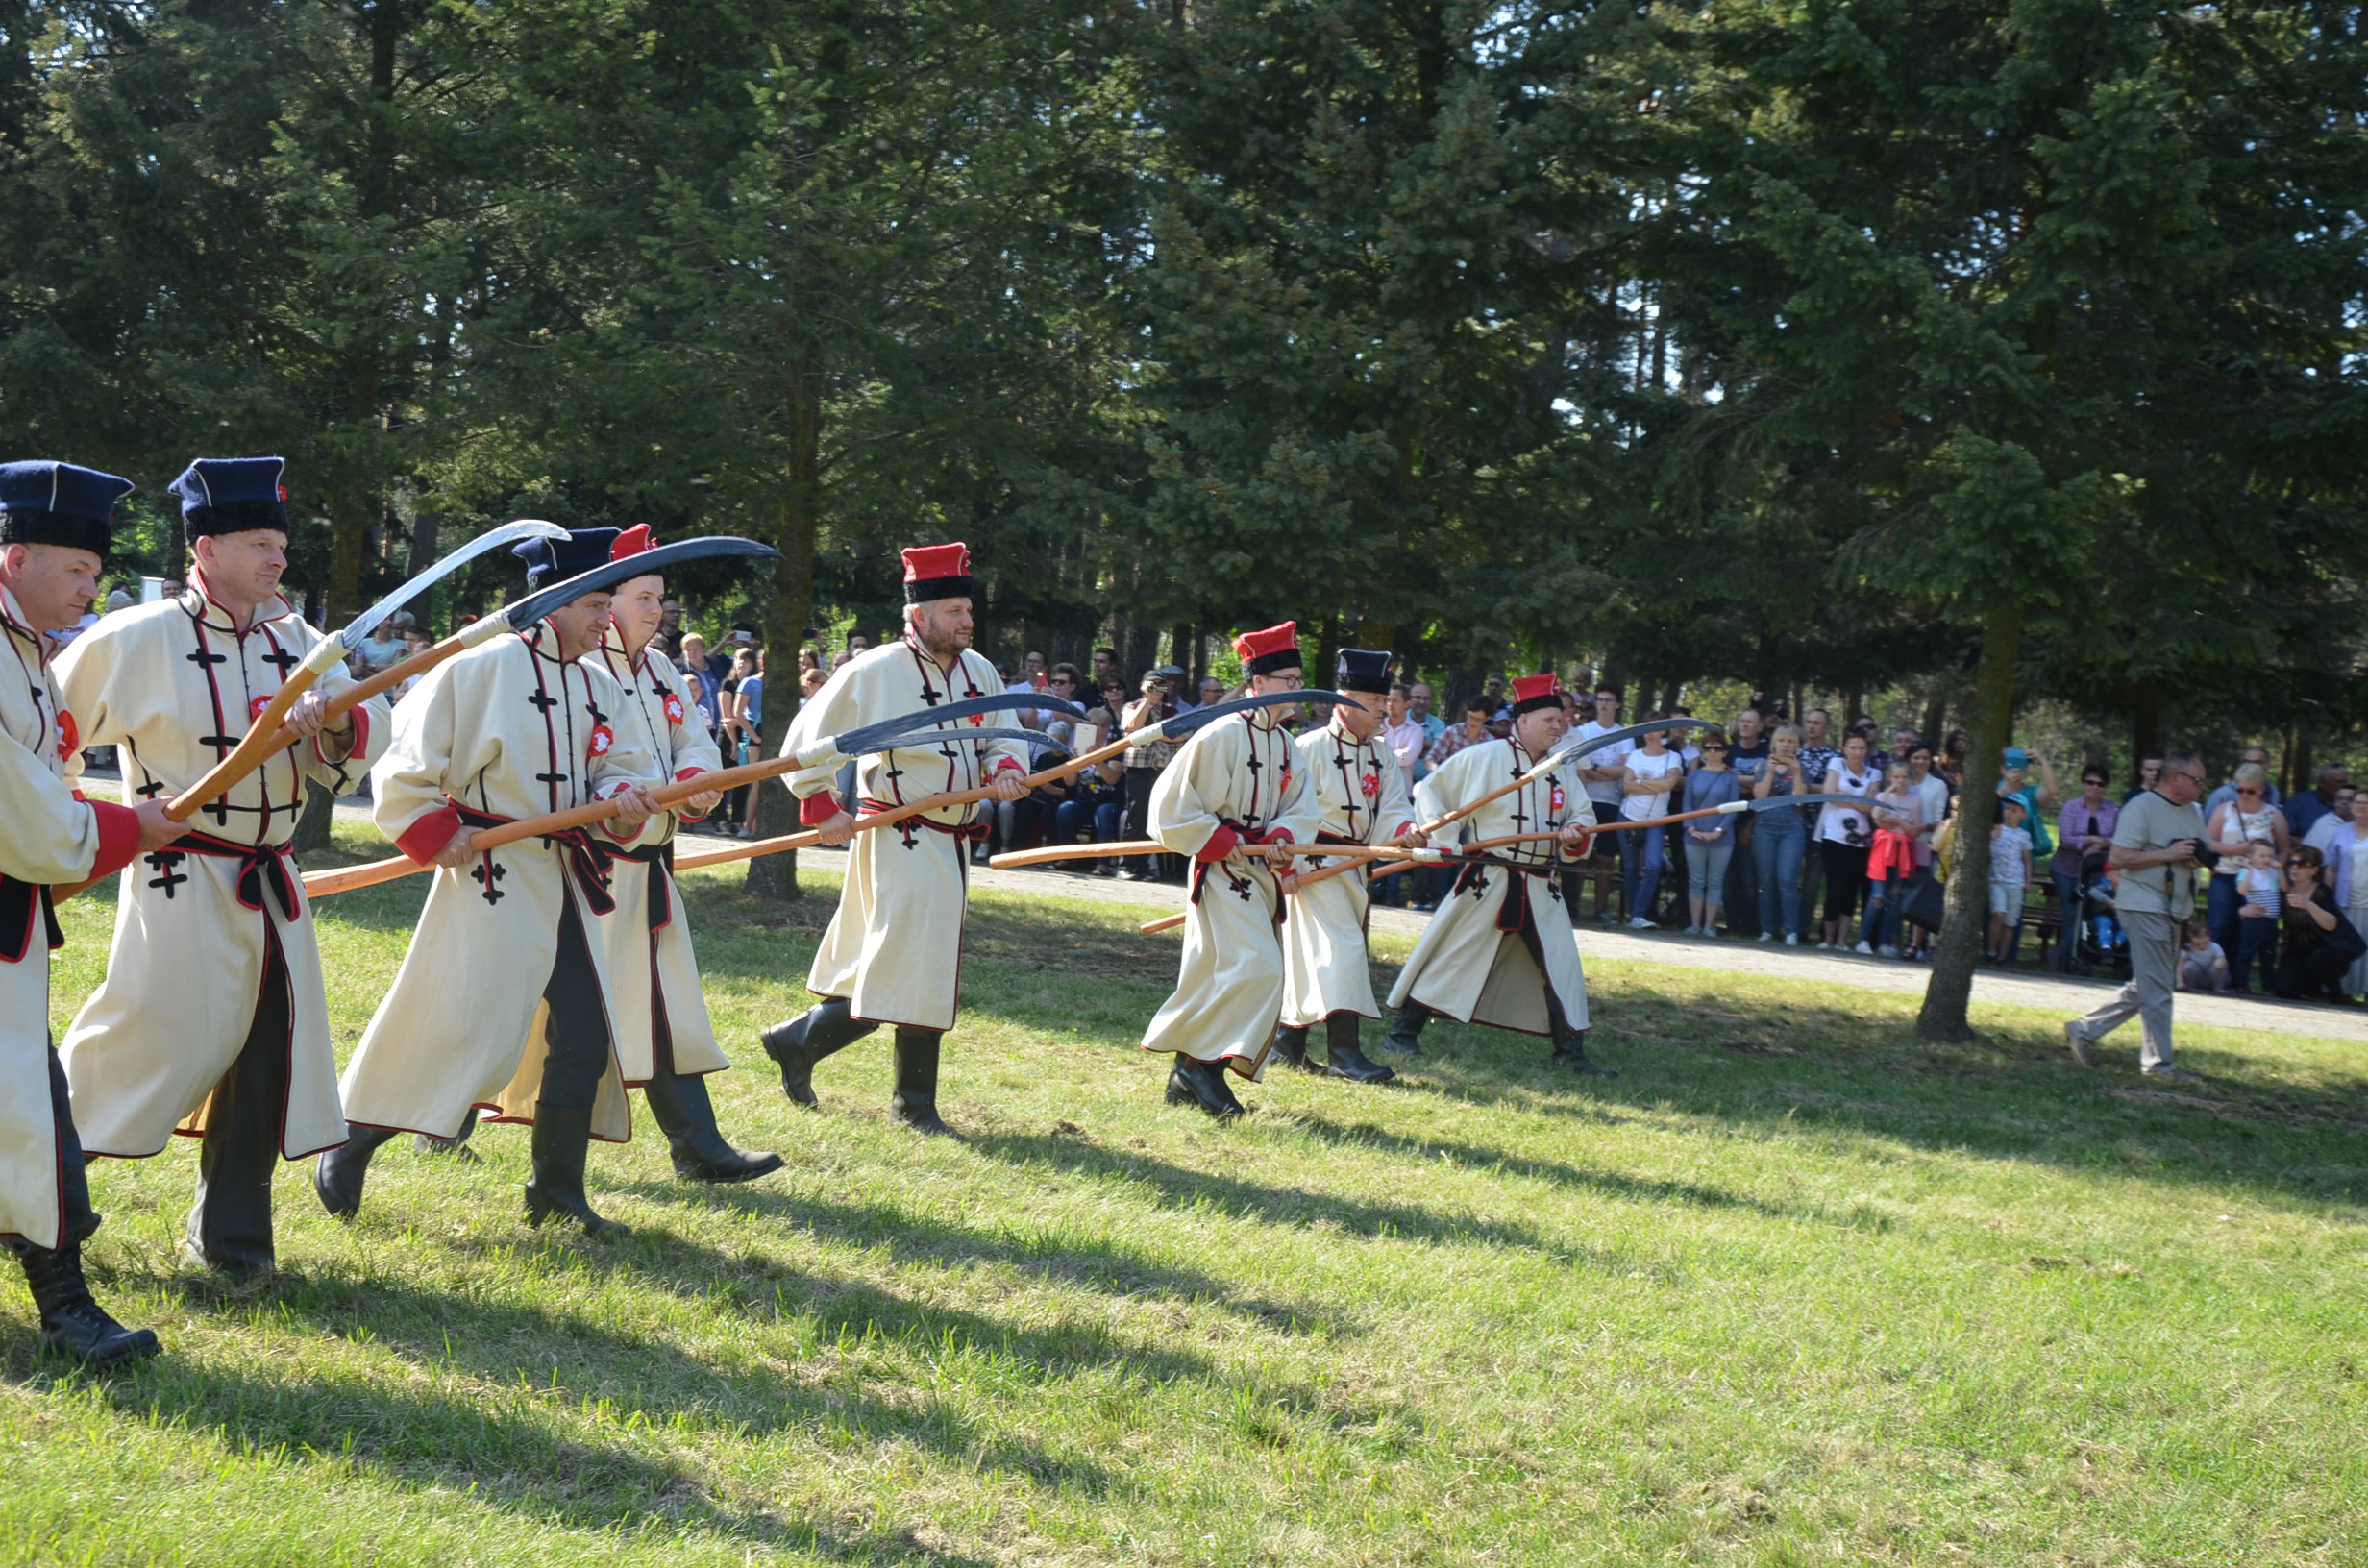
(2256,940)
(1556,1022)
(2310,973)
(578,1052)
(229,1222)
(1845,880)
(79,1219)
(1139,785)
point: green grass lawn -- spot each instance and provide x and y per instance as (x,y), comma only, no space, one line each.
(1794,1288)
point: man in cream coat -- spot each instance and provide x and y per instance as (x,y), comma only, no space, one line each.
(503,1002)
(214,1019)
(893,954)
(55,530)
(664,1041)
(1361,791)
(1237,785)
(1499,949)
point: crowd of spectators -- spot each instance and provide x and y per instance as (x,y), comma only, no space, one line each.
(2286,888)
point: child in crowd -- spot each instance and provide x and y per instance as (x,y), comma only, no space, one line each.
(2009,874)
(2256,927)
(1891,861)
(2202,965)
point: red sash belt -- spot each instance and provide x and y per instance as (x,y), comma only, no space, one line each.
(261,866)
(578,852)
(957,830)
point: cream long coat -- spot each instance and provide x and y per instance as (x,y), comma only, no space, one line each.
(173,685)
(1244,773)
(893,949)
(1361,791)
(647,938)
(1467,964)
(49,837)
(510,730)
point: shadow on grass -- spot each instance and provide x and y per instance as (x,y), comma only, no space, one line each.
(1480,1157)
(1055,1257)
(2013,1092)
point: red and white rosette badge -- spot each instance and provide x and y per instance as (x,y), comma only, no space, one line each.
(600,741)
(673,708)
(69,735)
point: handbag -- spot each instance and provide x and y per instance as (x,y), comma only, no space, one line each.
(2345,939)
(1927,902)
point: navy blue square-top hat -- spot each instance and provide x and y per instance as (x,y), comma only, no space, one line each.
(46,502)
(556,560)
(232,495)
(1362,670)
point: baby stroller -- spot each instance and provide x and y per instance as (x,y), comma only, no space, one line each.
(2094,941)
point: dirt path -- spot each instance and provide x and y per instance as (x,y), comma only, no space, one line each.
(1737,955)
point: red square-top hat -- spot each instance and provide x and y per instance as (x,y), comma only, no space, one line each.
(1276,648)
(937,572)
(631,542)
(1533,692)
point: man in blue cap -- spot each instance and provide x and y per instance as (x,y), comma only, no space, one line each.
(213,1018)
(56,524)
(503,1002)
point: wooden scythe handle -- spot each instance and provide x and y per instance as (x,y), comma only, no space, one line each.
(321,884)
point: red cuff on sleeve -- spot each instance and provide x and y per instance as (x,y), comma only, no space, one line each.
(684,776)
(360,742)
(1012,763)
(118,838)
(817,809)
(424,840)
(1222,843)
(1403,829)
(1275,835)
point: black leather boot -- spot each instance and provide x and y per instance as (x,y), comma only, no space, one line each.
(457,1145)
(1405,1036)
(1343,1059)
(914,1100)
(687,1117)
(1291,1046)
(72,1324)
(561,1139)
(337,1175)
(1202,1084)
(1571,1051)
(827,1026)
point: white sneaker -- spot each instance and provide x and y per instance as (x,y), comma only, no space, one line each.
(1863,947)
(1639,924)
(1888,950)
(1767,936)
(1710,932)
(1823,945)
(1792,938)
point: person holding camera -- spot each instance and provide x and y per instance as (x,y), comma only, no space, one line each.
(2154,848)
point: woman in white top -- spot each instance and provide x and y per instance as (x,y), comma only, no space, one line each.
(1845,834)
(2232,829)
(1647,775)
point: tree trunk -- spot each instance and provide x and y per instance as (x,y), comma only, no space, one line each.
(312,826)
(2145,724)
(795,528)
(1960,948)
(1935,714)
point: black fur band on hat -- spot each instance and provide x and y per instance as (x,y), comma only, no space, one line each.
(935,588)
(234,517)
(1531,704)
(1265,664)
(31,527)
